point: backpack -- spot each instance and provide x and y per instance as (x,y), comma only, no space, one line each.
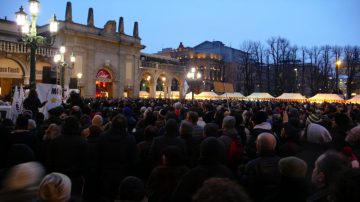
(234,154)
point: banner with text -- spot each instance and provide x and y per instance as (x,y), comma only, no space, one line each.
(50,93)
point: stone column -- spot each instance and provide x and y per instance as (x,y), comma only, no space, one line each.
(89,80)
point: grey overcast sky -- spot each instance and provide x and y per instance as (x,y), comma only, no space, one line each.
(166,23)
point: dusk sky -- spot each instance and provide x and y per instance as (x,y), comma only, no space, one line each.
(164,23)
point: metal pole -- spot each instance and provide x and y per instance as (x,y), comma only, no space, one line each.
(32,66)
(62,78)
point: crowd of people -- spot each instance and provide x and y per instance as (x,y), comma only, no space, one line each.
(163,150)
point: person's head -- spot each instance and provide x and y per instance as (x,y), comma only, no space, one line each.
(33,93)
(211,130)
(212,151)
(119,124)
(228,123)
(22,122)
(292,167)
(327,166)
(31,124)
(353,136)
(150,132)
(52,132)
(346,187)
(230,191)
(192,117)
(171,127)
(24,176)
(97,120)
(259,117)
(265,142)
(186,129)
(341,120)
(71,126)
(131,189)
(55,187)
(173,156)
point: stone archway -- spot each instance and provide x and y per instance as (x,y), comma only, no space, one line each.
(146,85)
(104,82)
(11,73)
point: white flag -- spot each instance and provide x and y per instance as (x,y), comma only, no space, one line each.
(21,98)
(15,107)
(186,88)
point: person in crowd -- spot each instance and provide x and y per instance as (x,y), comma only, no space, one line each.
(290,134)
(131,189)
(231,141)
(95,129)
(51,133)
(193,117)
(145,164)
(164,178)
(22,182)
(55,187)
(68,154)
(118,155)
(353,139)
(326,169)
(315,139)
(261,176)
(22,135)
(230,191)
(169,138)
(192,142)
(346,187)
(338,133)
(212,156)
(33,103)
(293,185)
(209,113)
(211,130)
(261,125)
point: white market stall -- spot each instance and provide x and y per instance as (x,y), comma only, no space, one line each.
(203,96)
(260,96)
(322,97)
(235,95)
(291,97)
(354,100)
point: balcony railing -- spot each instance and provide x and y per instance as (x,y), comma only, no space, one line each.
(13,47)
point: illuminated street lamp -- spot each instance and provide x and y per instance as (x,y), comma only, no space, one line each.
(193,75)
(29,34)
(60,59)
(79,76)
(337,66)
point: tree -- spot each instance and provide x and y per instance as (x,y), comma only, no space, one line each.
(279,52)
(247,69)
(352,61)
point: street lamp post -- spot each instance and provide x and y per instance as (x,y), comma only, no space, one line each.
(30,37)
(60,59)
(296,79)
(337,66)
(192,76)
(79,76)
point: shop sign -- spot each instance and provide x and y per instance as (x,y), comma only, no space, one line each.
(103,75)
(10,72)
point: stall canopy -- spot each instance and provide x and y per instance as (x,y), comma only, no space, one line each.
(326,98)
(291,97)
(355,100)
(260,96)
(235,95)
(203,96)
